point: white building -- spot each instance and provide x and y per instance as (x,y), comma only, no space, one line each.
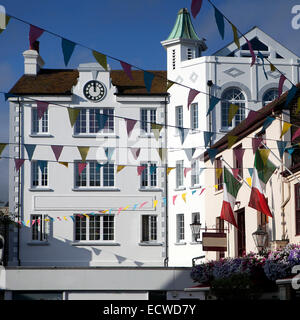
(227,75)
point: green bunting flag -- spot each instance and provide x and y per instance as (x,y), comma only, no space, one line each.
(101,59)
(2,147)
(83,152)
(156,128)
(73,114)
(232,110)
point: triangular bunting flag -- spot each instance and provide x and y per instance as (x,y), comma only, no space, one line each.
(267,123)
(18,164)
(251,117)
(30,150)
(119,168)
(281,146)
(220,22)
(102,119)
(148,78)
(263,63)
(207,136)
(143,204)
(101,59)
(169,84)
(152,169)
(186,170)
(140,169)
(109,152)
(298,106)
(81,167)
(201,191)
(189,152)
(83,152)
(212,104)
(174,198)
(96,251)
(169,169)
(235,35)
(155,203)
(162,153)
(42,107)
(127,69)
(195,7)
(235,172)
(291,94)
(156,128)
(5,20)
(231,140)
(256,143)
(67,48)
(250,170)
(212,154)
(280,85)
(73,115)
(272,67)
(130,123)
(295,135)
(285,128)
(135,152)
(192,94)
(34,34)
(239,154)
(249,181)
(219,172)
(183,132)
(42,164)
(184,197)
(264,154)
(139,264)
(232,110)
(57,151)
(2,147)
(252,53)
(66,164)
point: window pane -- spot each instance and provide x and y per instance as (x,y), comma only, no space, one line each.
(108,227)
(94,227)
(109,126)
(93,122)
(108,175)
(194,116)
(145,228)
(179,173)
(34,173)
(94,174)
(36,228)
(80,228)
(80,179)
(81,125)
(153,175)
(153,228)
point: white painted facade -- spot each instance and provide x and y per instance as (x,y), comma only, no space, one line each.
(225,72)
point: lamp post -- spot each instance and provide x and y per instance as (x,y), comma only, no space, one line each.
(196,227)
(260,238)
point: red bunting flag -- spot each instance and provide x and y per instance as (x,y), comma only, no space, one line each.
(186,170)
(192,94)
(34,34)
(135,152)
(280,85)
(57,151)
(174,198)
(195,7)
(81,167)
(18,164)
(42,107)
(140,169)
(252,53)
(296,134)
(127,69)
(130,123)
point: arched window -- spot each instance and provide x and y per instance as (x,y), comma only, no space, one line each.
(269,96)
(236,97)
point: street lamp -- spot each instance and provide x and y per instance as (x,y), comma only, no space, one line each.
(260,238)
(196,227)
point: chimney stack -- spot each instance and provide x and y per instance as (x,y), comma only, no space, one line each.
(32,60)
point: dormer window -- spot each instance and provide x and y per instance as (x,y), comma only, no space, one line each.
(190,54)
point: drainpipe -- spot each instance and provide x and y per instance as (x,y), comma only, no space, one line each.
(166,261)
(19,184)
(284,203)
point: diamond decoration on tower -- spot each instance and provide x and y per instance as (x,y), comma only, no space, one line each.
(274,74)
(179,79)
(193,77)
(234,72)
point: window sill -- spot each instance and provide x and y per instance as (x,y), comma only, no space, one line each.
(195,243)
(149,136)
(218,191)
(180,243)
(38,243)
(111,189)
(150,189)
(197,186)
(41,135)
(180,189)
(95,243)
(40,189)
(153,244)
(98,135)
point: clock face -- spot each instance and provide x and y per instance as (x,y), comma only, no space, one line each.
(94,90)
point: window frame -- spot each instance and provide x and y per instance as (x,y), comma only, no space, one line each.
(151,236)
(89,126)
(195,173)
(89,230)
(40,230)
(241,113)
(269,92)
(194,113)
(151,179)
(99,179)
(179,173)
(149,116)
(39,126)
(180,228)
(36,175)
(218,181)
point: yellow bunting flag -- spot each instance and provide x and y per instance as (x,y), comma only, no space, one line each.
(66,164)
(264,154)
(235,35)
(2,146)
(216,187)
(28,221)
(231,140)
(218,172)
(285,129)
(156,128)
(170,169)
(126,208)
(233,109)
(101,59)
(298,106)
(119,168)
(83,152)
(73,115)
(169,84)
(272,67)
(249,181)
(184,197)
(65,218)
(162,153)
(155,203)
(86,215)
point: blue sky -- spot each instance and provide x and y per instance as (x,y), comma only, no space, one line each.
(129,30)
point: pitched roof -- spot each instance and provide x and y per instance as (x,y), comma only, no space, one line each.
(246,127)
(61,81)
